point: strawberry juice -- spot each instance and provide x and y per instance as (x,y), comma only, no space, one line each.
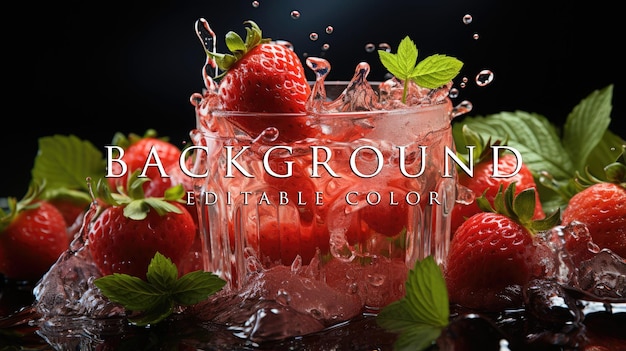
(348,199)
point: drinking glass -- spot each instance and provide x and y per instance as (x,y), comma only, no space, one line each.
(345,200)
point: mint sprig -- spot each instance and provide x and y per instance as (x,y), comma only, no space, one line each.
(423,313)
(432,72)
(158,295)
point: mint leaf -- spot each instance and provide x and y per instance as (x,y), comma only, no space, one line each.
(586,125)
(431,73)
(525,132)
(64,163)
(436,70)
(423,313)
(133,293)
(192,287)
(157,297)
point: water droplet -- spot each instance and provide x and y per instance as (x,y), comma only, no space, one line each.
(330,30)
(283,297)
(467,19)
(475,36)
(462,85)
(384,46)
(295,14)
(376,279)
(313,36)
(484,77)
(462,108)
(325,47)
(454,93)
(255,4)
(464,79)
(369,47)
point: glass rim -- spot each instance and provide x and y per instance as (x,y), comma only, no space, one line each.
(354,114)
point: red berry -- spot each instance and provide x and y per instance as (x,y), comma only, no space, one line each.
(602,208)
(483,182)
(32,242)
(119,244)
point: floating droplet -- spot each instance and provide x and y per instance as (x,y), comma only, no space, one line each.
(484,77)
(462,85)
(369,47)
(467,19)
(384,46)
(295,14)
(330,30)
(313,36)
(454,93)
(325,47)
(475,36)
(464,79)
(255,4)
(462,108)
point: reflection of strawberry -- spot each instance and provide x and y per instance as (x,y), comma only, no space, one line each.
(125,236)
(602,208)
(491,252)
(482,181)
(32,236)
(136,154)
(263,77)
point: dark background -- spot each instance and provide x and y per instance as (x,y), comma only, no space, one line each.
(94,68)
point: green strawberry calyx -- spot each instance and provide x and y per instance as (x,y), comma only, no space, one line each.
(519,208)
(482,150)
(136,205)
(614,172)
(238,47)
(15,207)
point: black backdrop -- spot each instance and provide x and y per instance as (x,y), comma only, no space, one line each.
(94,68)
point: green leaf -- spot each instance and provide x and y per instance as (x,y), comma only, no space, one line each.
(163,290)
(418,337)
(431,73)
(162,273)
(586,125)
(524,131)
(131,292)
(155,314)
(65,162)
(436,70)
(424,311)
(196,286)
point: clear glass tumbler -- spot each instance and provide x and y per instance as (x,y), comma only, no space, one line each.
(349,200)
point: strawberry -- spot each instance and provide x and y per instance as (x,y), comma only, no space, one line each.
(32,236)
(482,182)
(136,155)
(601,207)
(263,76)
(126,235)
(493,252)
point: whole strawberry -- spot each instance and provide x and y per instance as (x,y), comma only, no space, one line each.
(32,236)
(482,182)
(492,253)
(601,207)
(263,76)
(127,234)
(138,150)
